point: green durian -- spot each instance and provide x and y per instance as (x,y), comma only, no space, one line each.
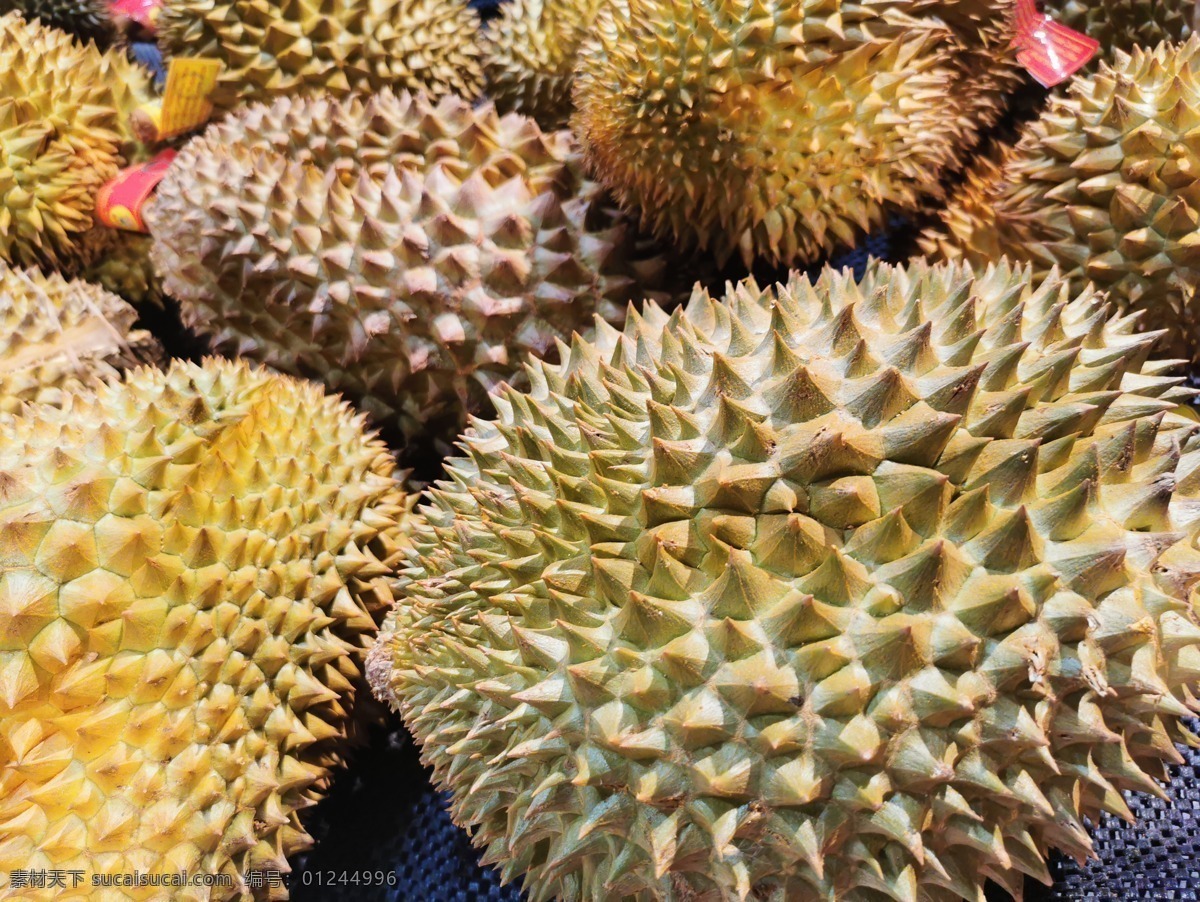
(781,130)
(406,254)
(191,563)
(1125,24)
(274,48)
(837,590)
(968,219)
(124,268)
(530,52)
(88,20)
(1106,185)
(56,335)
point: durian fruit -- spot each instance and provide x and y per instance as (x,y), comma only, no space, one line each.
(125,269)
(530,52)
(969,218)
(835,590)
(88,20)
(63,134)
(1106,185)
(190,564)
(1126,24)
(56,335)
(407,254)
(271,48)
(780,129)
(984,64)
(132,86)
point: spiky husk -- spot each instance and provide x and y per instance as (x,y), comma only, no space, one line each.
(858,591)
(781,129)
(530,53)
(1106,185)
(969,218)
(88,20)
(190,566)
(58,335)
(984,64)
(451,243)
(1126,24)
(62,136)
(132,88)
(124,268)
(272,48)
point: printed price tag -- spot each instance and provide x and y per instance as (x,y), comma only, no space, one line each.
(1050,51)
(185,103)
(144,12)
(120,202)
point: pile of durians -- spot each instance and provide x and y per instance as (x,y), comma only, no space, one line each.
(728,581)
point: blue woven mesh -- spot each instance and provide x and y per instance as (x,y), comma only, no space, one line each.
(878,246)
(384,816)
(1157,858)
(147,54)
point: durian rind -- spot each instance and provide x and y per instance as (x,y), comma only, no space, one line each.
(270,48)
(58,335)
(781,130)
(1126,24)
(530,54)
(88,20)
(63,134)
(836,590)
(191,563)
(408,254)
(968,218)
(1106,185)
(125,269)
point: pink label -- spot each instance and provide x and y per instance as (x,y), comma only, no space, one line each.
(1048,50)
(120,202)
(144,12)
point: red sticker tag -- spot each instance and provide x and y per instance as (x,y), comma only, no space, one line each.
(1048,50)
(144,12)
(120,202)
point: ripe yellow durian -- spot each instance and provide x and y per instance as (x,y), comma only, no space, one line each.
(191,563)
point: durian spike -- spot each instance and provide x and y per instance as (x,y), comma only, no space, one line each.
(1106,186)
(1125,24)
(781,130)
(58,335)
(125,269)
(530,54)
(63,134)
(87,20)
(273,48)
